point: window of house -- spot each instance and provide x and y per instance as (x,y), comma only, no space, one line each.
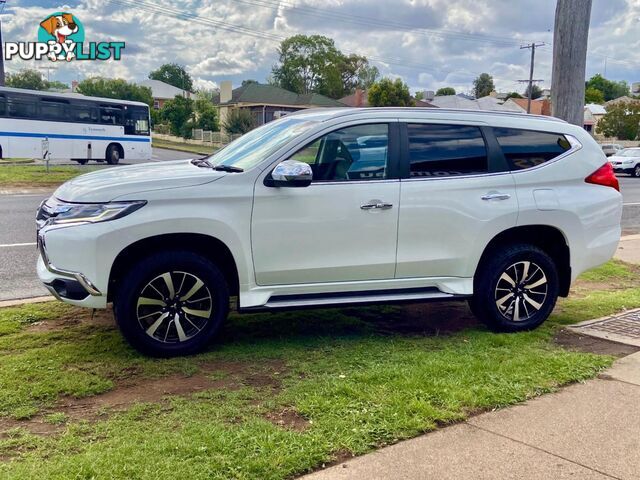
(353,153)
(446,150)
(528,148)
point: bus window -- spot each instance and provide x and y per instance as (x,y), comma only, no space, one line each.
(84,114)
(137,121)
(22,107)
(110,115)
(3,106)
(53,110)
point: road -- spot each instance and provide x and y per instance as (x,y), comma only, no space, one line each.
(18,252)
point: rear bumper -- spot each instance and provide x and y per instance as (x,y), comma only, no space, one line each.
(599,247)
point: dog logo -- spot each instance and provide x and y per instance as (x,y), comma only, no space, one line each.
(62,28)
(61,37)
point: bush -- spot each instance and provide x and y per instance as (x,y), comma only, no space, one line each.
(239,121)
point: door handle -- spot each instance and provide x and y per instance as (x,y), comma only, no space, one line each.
(376,204)
(496,196)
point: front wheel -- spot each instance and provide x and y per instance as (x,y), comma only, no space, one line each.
(171,304)
(636,171)
(515,289)
(113,155)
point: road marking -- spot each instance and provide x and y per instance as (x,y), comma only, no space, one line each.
(8,245)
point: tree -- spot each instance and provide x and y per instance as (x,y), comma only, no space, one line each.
(622,120)
(390,93)
(419,96)
(313,64)
(248,82)
(178,113)
(173,74)
(115,88)
(483,85)
(593,95)
(512,95)
(57,85)
(536,92)
(206,114)
(29,79)
(610,90)
(441,92)
(239,121)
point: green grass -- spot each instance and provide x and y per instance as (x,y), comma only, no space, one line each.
(183,146)
(356,387)
(614,269)
(27,175)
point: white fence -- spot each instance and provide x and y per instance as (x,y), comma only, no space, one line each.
(206,136)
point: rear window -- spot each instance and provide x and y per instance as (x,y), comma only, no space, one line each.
(527,148)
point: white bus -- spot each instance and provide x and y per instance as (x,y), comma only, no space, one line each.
(60,126)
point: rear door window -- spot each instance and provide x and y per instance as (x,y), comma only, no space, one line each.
(528,148)
(437,150)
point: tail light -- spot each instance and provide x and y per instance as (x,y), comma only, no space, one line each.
(604,176)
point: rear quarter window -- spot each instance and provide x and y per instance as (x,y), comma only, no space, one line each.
(529,148)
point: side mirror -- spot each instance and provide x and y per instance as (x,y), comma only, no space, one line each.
(290,173)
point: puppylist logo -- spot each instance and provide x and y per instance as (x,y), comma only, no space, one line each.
(61,37)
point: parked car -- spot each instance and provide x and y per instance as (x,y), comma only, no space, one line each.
(611,148)
(337,207)
(627,161)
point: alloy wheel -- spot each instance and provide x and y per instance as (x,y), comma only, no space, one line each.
(174,307)
(637,170)
(521,291)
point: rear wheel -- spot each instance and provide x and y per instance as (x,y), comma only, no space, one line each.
(171,304)
(515,289)
(636,171)
(113,155)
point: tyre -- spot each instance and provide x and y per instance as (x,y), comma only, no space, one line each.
(636,171)
(515,289)
(82,161)
(171,304)
(113,155)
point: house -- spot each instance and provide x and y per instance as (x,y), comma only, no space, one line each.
(618,100)
(635,88)
(161,92)
(538,107)
(465,103)
(359,98)
(592,115)
(266,102)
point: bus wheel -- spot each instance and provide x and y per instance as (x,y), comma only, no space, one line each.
(113,155)
(82,161)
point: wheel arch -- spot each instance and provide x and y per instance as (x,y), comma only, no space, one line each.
(549,239)
(205,245)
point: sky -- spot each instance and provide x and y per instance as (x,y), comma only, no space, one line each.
(428,43)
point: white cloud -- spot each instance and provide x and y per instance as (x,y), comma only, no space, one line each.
(462,38)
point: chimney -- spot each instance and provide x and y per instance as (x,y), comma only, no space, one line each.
(359,101)
(74,85)
(225,91)
(428,95)
(493,94)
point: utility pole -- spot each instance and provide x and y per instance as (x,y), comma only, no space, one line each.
(532,46)
(570,37)
(2,4)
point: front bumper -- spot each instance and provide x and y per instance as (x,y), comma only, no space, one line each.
(67,286)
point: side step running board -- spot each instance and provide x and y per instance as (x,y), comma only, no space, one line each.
(282,302)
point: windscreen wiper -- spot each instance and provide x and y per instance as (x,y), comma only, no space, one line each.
(228,168)
(201,162)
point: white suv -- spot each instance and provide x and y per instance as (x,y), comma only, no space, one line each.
(336,207)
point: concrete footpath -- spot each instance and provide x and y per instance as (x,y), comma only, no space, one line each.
(629,249)
(585,431)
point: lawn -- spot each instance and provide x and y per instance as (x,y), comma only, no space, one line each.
(184,146)
(278,395)
(37,176)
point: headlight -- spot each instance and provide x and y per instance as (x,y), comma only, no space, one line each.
(55,212)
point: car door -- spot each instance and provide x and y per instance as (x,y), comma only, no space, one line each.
(343,226)
(456,195)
